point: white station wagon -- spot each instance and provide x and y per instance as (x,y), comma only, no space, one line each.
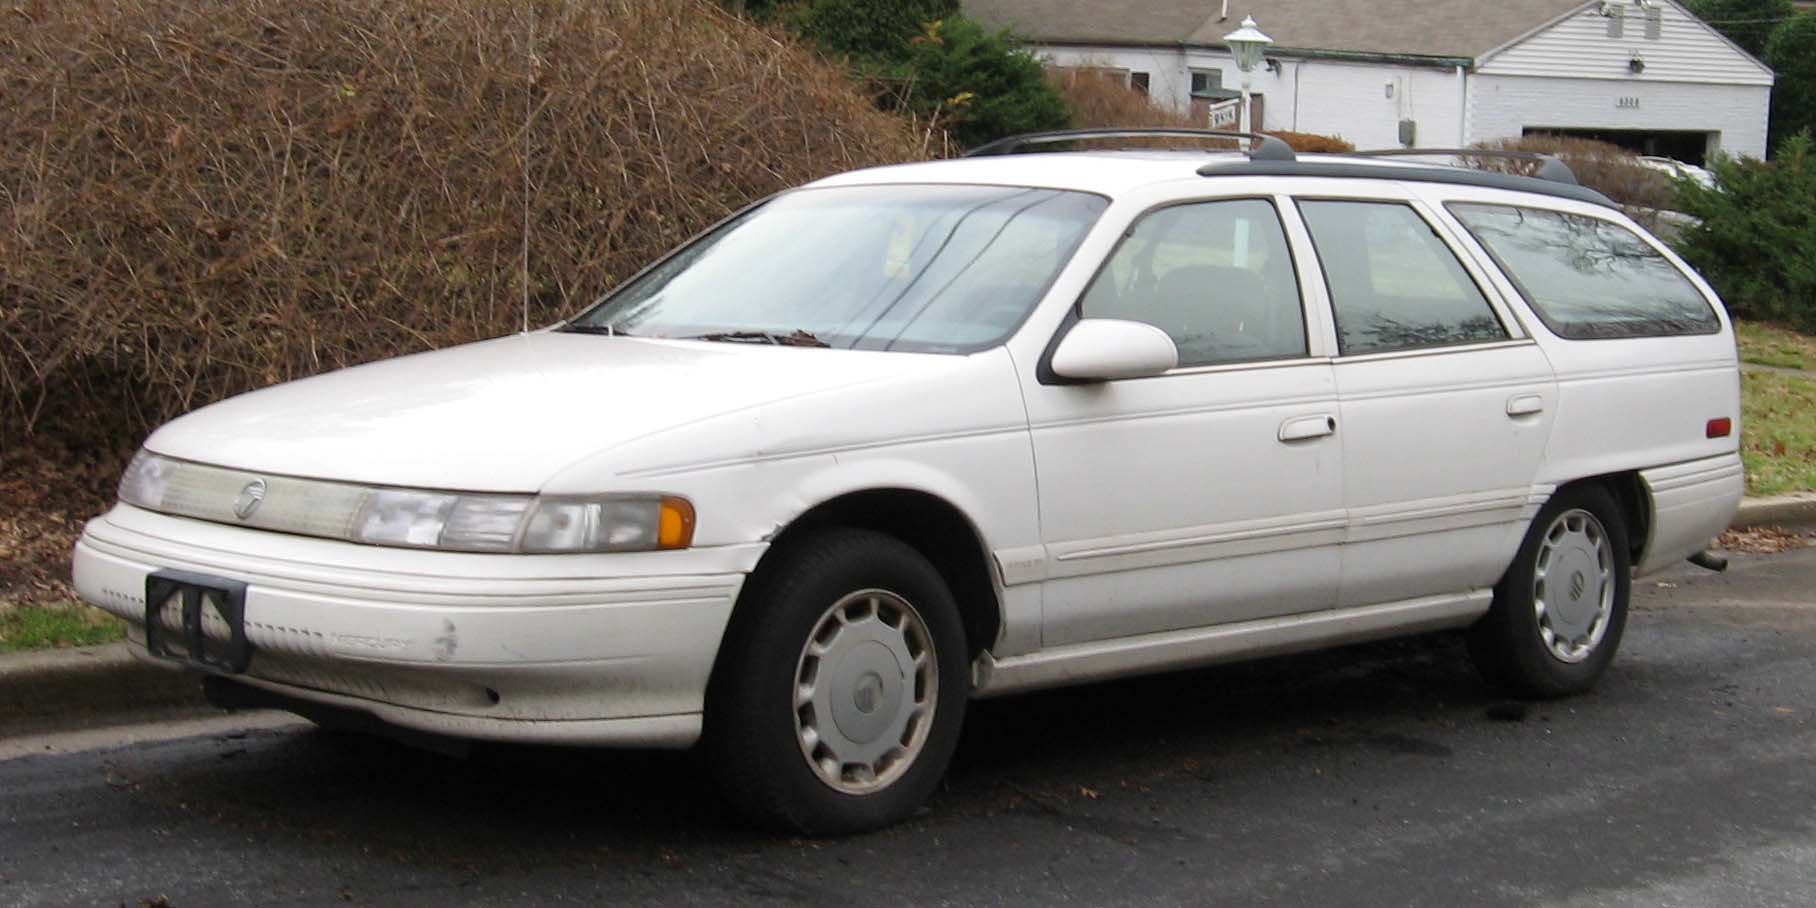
(912,435)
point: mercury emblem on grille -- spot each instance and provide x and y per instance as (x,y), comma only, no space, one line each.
(249,499)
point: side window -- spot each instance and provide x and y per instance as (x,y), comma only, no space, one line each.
(1586,277)
(1394,285)
(1217,277)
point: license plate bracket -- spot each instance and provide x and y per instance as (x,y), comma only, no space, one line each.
(200,595)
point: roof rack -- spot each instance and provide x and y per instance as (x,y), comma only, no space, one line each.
(1271,156)
(1347,168)
(1550,167)
(1269,148)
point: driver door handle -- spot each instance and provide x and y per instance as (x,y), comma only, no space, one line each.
(1525,405)
(1303,428)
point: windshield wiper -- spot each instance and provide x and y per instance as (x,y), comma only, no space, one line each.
(797,338)
(603,330)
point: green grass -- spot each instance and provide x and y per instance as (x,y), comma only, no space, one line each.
(24,627)
(1770,345)
(1778,432)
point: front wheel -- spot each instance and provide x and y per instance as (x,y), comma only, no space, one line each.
(841,686)
(1559,611)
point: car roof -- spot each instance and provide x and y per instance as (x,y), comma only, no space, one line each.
(1116,172)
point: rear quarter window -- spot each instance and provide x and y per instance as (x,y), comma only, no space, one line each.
(1588,278)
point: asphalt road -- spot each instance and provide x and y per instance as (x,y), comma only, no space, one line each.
(1379,775)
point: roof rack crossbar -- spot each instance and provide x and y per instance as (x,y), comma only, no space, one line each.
(1550,167)
(1268,148)
(1347,168)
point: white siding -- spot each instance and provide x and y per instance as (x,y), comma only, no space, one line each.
(1332,98)
(1503,106)
(1579,47)
(1570,74)
(1351,100)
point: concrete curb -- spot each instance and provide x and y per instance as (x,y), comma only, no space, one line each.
(88,686)
(1795,509)
(91,685)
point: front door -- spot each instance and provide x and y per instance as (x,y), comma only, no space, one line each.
(1212,493)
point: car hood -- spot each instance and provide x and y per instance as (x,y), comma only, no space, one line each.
(504,415)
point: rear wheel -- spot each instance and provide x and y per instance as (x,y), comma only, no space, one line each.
(841,686)
(1559,611)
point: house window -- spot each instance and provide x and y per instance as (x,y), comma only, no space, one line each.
(1206,82)
(1655,23)
(1617,21)
(1139,82)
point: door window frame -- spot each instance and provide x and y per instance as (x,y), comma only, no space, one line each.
(1483,279)
(1315,321)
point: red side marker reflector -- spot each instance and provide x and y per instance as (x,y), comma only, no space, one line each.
(1719,428)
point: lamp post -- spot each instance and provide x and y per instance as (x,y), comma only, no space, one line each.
(1247,44)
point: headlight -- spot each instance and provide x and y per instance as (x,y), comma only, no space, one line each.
(609,524)
(503,523)
(469,523)
(413,518)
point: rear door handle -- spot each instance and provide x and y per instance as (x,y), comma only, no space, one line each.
(1525,405)
(1300,428)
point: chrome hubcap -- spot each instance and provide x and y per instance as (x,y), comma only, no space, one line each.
(865,690)
(1573,585)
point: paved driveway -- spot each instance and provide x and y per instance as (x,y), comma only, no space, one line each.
(1380,775)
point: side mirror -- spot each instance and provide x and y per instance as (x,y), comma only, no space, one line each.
(1101,349)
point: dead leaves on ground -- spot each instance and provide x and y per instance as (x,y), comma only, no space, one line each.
(1766,540)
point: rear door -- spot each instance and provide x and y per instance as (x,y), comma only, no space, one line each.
(1446,404)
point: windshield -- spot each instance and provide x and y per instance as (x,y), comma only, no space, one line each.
(931,269)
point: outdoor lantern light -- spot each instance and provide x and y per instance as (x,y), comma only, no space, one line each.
(1247,44)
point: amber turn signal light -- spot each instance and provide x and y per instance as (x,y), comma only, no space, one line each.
(676,527)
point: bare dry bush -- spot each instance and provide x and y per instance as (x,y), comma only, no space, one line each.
(1609,169)
(1101,99)
(1311,142)
(198,198)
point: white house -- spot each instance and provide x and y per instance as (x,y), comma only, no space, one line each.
(1645,74)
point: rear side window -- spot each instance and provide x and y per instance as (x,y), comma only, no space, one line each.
(1586,277)
(1215,276)
(1393,284)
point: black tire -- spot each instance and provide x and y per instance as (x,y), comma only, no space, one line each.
(752,738)
(1507,645)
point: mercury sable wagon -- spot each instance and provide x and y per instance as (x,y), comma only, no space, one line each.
(908,436)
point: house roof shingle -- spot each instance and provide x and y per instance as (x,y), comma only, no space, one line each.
(1456,29)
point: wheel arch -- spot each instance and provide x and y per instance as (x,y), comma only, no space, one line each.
(933,526)
(1635,503)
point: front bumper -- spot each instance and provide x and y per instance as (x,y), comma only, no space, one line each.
(579,649)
